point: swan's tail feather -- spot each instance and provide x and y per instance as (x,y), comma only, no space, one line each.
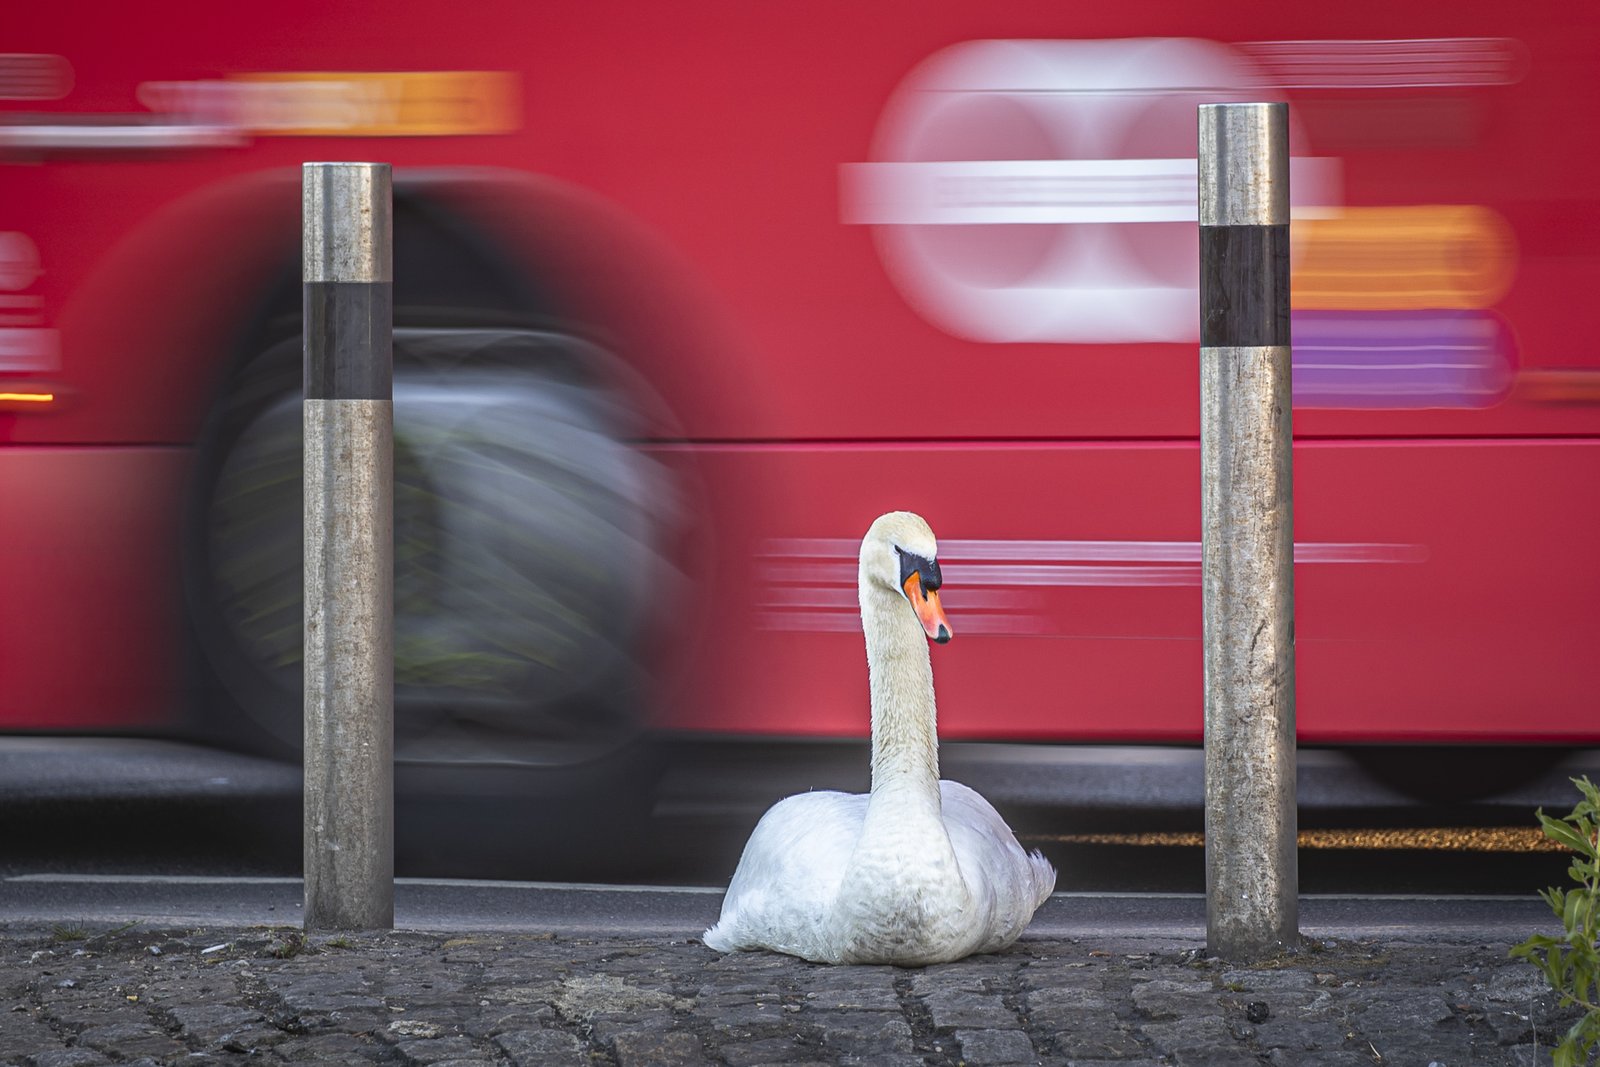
(719,938)
(1044,877)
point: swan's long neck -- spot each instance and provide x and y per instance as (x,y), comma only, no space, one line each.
(903,868)
(905,742)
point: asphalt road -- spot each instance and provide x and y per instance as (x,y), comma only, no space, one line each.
(1112,819)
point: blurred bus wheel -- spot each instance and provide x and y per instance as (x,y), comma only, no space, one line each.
(531,570)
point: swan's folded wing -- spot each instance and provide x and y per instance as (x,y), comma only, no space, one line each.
(1002,875)
(789,874)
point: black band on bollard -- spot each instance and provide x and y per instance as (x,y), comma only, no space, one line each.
(360,315)
(1244,286)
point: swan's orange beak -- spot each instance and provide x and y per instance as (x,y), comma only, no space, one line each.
(926,603)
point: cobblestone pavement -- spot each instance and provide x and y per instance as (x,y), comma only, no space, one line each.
(76,997)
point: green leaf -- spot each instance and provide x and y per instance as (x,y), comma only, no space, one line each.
(1580,1039)
(1572,915)
(1571,964)
(1534,944)
(1578,975)
(1556,966)
(1562,834)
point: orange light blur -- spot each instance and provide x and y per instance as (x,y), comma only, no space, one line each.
(30,399)
(412,103)
(1559,386)
(1428,256)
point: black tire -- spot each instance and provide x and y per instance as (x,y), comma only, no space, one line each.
(535,549)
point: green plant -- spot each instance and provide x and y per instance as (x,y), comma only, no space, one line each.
(1572,963)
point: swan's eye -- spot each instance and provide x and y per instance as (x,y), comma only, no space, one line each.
(911,563)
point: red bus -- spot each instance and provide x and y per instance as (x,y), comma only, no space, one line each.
(687,294)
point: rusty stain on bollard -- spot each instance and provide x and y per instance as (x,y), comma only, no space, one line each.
(1247,537)
(349,547)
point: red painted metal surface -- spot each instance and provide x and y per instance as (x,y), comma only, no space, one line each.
(692,172)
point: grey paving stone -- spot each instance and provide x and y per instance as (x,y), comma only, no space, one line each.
(1067,1007)
(1519,986)
(745,1020)
(23,1033)
(411,1029)
(603,1029)
(787,1049)
(252,1039)
(420,992)
(978,1011)
(1167,998)
(854,989)
(991,1048)
(1190,1040)
(1326,1057)
(582,997)
(330,1049)
(1298,1035)
(497,1019)
(1400,1014)
(210,1023)
(535,999)
(867,1034)
(320,993)
(869,998)
(69,1057)
(1106,1040)
(131,1041)
(975,974)
(532,1048)
(654,1049)
(423,1051)
(1277,988)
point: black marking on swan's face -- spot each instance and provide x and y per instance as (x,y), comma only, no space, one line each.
(928,569)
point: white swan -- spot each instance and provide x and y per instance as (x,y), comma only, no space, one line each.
(918,871)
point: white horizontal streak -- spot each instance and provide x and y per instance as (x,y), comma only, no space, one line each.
(1457,390)
(962,550)
(1418,63)
(1071,574)
(115,138)
(838,596)
(1120,551)
(848,622)
(1379,369)
(1008,574)
(1049,191)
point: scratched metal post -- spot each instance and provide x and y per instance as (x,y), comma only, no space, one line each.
(349,546)
(1252,877)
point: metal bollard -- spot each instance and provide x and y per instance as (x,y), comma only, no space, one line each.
(347,261)
(1252,877)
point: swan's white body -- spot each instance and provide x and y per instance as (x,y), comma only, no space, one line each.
(918,871)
